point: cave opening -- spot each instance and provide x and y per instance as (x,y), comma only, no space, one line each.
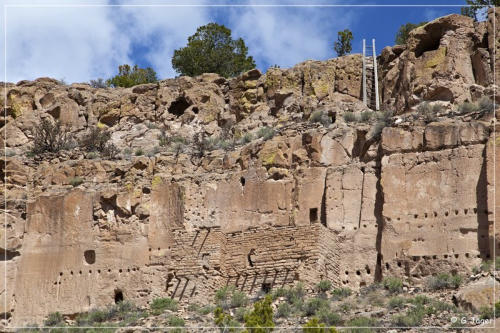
(89,256)
(313,215)
(118,296)
(178,106)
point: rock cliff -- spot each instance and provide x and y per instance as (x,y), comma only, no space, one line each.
(339,200)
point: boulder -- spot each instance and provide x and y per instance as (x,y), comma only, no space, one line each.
(477,295)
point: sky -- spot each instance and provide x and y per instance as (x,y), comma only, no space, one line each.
(59,39)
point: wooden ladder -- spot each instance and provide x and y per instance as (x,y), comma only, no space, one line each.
(370,78)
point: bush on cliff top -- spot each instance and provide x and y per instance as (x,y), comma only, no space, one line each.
(131,76)
(212,50)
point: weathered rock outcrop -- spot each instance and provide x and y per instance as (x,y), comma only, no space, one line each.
(449,59)
(344,202)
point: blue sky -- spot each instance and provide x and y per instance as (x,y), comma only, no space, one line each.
(83,43)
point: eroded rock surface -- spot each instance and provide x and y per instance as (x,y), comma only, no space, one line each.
(339,202)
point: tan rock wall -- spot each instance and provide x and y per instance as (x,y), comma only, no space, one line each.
(435,206)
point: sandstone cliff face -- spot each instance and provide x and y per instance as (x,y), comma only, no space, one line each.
(449,59)
(311,203)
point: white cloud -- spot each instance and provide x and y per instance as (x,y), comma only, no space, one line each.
(79,44)
(73,43)
(83,43)
(163,29)
(286,36)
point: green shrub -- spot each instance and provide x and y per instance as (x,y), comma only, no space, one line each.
(312,305)
(409,320)
(174,321)
(178,147)
(163,138)
(92,155)
(314,326)
(193,307)
(383,120)
(246,138)
(139,152)
(497,310)
(485,265)
(328,317)
(384,116)
(341,293)
(75,181)
(155,150)
(363,322)
(122,310)
(284,310)
(229,296)
(159,305)
(167,140)
(239,314)
(260,317)
(375,298)
(350,117)
(320,117)
(238,299)
(413,317)
(98,316)
(467,108)
(280,292)
(497,263)
(206,309)
(440,306)
(266,133)
(98,83)
(443,281)
(130,76)
(366,116)
(220,316)
(323,286)
(377,129)
(95,139)
(346,307)
(485,312)
(54,319)
(223,297)
(119,312)
(393,284)
(295,295)
(486,106)
(50,137)
(429,112)
(396,302)
(420,300)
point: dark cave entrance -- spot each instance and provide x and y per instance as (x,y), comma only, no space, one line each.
(178,106)
(118,296)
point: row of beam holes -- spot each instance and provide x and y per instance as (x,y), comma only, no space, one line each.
(364,226)
(446,213)
(358,272)
(99,272)
(445,256)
